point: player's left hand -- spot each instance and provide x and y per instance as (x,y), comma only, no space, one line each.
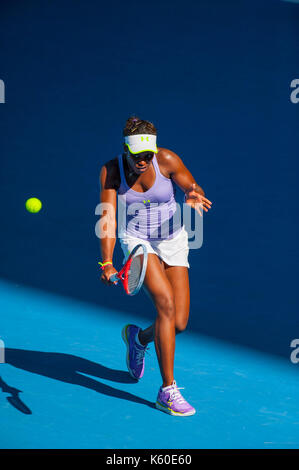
(196,200)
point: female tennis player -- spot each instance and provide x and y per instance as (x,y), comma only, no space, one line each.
(145,174)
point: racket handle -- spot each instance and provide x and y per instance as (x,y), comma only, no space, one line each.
(114,278)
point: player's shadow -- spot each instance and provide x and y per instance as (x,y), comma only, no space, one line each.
(14,398)
(72,369)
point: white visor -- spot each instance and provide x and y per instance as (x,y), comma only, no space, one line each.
(141,143)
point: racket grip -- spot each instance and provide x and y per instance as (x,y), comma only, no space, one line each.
(114,278)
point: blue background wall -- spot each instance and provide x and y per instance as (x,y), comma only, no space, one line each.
(215,79)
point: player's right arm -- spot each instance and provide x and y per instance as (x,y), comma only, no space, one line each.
(107,225)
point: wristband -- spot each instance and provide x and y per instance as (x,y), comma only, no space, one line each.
(106,263)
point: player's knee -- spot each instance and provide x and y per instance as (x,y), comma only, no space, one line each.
(180,325)
(165,305)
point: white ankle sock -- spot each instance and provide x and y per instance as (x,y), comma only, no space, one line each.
(168,386)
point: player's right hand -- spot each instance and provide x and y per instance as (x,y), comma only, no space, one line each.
(107,272)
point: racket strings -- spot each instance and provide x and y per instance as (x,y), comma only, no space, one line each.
(134,272)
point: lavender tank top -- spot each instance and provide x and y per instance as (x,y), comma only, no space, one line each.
(150,215)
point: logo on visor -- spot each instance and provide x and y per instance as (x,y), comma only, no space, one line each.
(144,138)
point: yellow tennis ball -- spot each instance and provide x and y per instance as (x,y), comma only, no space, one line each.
(33,205)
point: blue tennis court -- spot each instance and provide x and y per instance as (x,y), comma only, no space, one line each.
(65,385)
(219,80)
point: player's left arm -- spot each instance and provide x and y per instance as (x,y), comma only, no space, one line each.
(194,194)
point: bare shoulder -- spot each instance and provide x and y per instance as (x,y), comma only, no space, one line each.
(110,175)
(168,161)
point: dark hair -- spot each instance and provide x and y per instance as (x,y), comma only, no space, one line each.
(134,126)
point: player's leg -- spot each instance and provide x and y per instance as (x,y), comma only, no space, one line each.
(162,332)
(169,399)
(179,279)
(159,286)
(160,291)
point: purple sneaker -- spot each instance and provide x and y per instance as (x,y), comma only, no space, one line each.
(171,401)
(135,352)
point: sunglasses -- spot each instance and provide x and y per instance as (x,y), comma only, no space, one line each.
(147,157)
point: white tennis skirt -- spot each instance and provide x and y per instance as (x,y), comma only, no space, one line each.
(173,251)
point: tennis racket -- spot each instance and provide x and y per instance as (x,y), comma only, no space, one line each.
(133,271)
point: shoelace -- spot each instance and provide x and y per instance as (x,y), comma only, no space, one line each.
(175,395)
(140,354)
